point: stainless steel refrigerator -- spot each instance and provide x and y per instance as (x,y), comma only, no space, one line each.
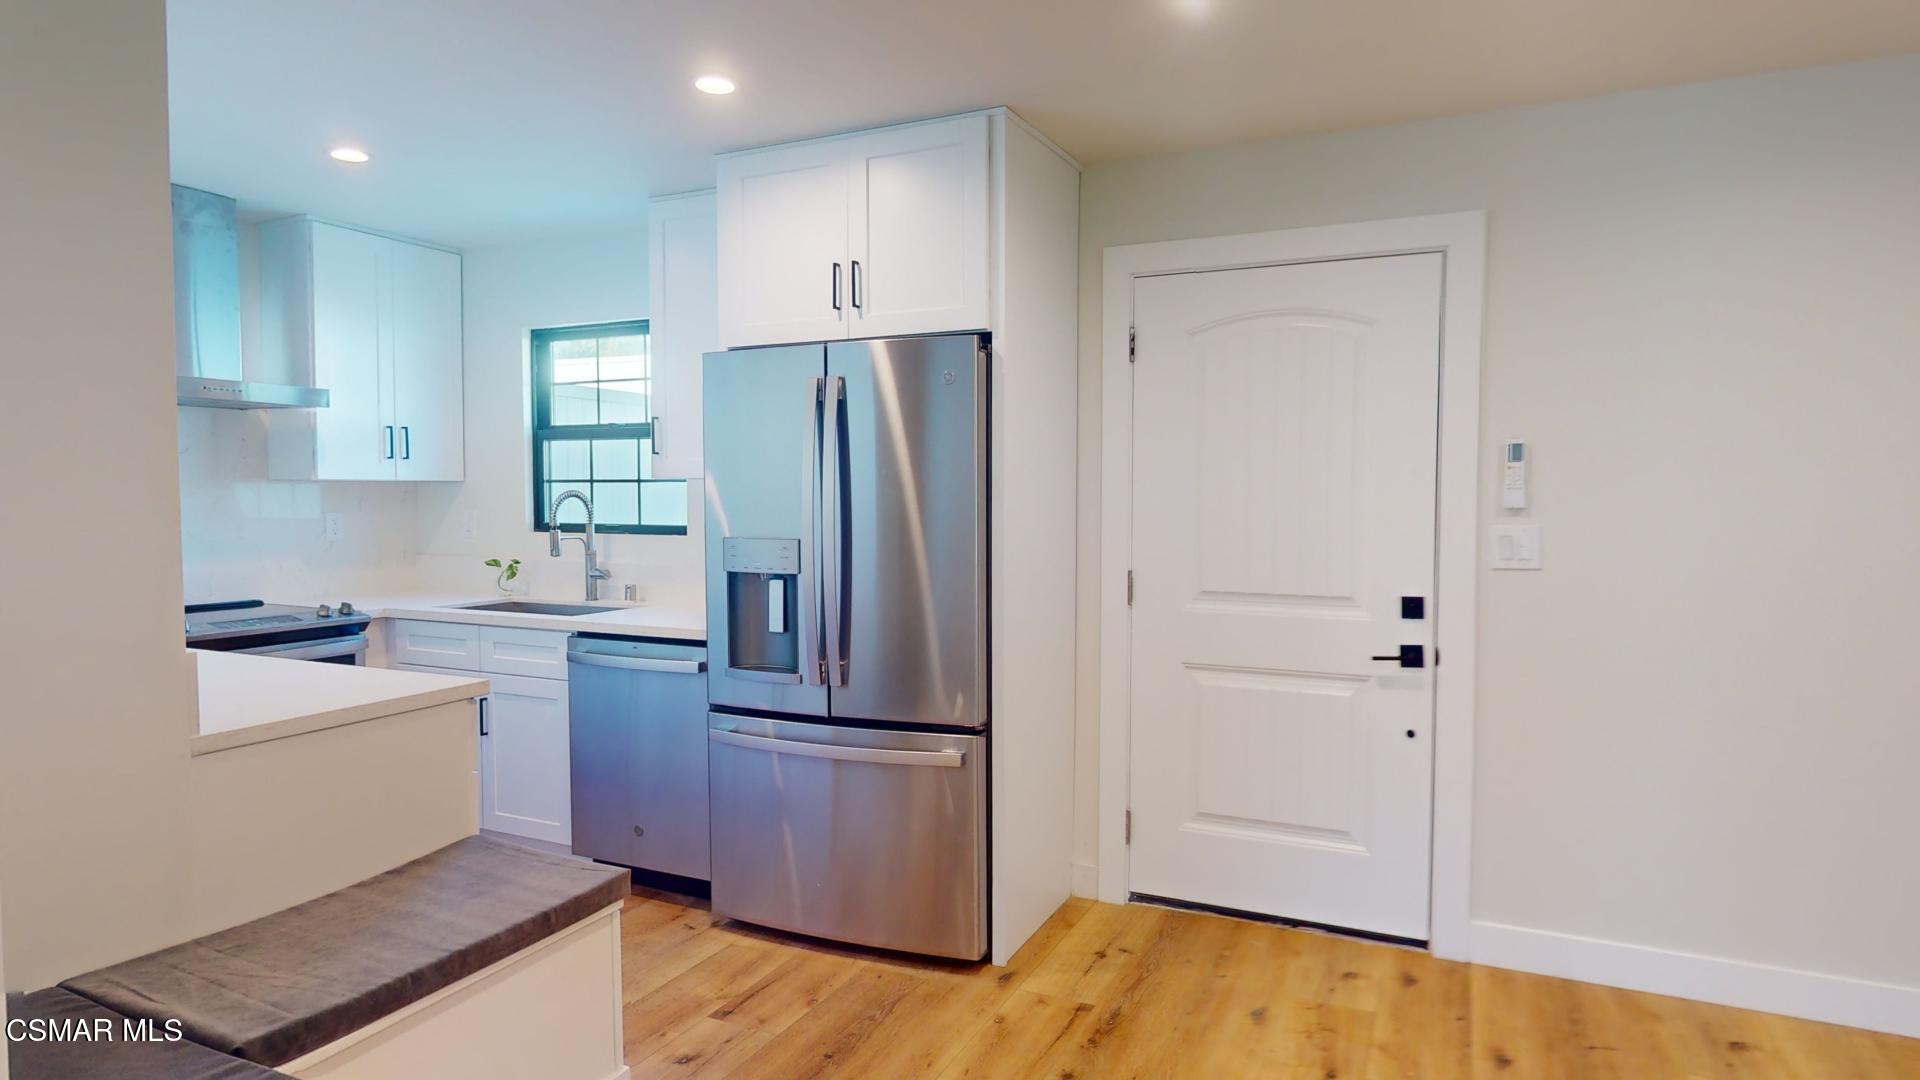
(846,560)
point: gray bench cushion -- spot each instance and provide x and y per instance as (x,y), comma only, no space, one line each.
(279,987)
(113,1058)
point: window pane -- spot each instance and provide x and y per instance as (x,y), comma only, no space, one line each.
(574,360)
(567,460)
(616,459)
(623,402)
(572,513)
(616,504)
(623,357)
(575,404)
(665,502)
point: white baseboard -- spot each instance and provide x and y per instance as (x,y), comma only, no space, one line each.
(1833,999)
(1086,880)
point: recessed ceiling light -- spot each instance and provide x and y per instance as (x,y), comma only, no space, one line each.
(713,84)
(352,155)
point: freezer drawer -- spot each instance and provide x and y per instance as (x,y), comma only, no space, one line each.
(871,837)
(639,754)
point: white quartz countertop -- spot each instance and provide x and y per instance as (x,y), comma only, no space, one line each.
(631,620)
(252,699)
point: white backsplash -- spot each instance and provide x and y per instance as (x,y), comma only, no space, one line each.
(245,536)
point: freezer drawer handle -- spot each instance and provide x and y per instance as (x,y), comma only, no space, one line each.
(638,663)
(938,759)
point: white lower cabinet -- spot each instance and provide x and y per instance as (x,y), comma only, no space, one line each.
(525,783)
(524,763)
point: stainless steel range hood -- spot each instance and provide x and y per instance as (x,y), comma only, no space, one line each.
(206,312)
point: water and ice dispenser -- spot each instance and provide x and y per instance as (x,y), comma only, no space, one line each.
(763,610)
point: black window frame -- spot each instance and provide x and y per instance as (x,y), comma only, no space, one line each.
(540,351)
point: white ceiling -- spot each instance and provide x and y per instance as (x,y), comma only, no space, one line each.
(491,120)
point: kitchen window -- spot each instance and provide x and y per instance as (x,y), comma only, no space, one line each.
(593,431)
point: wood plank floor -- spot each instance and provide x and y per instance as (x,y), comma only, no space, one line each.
(1105,991)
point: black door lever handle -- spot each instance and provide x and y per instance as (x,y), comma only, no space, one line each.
(1408,656)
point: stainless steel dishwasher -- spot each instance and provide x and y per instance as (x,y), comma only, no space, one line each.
(639,753)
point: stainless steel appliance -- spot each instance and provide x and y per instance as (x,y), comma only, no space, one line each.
(326,633)
(846,518)
(637,710)
(206,312)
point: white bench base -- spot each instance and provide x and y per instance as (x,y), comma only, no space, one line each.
(551,1010)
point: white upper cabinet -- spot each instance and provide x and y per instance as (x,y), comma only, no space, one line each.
(429,409)
(783,245)
(917,239)
(376,323)
(872,235)
(683,279)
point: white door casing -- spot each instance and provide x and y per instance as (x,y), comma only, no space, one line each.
(1283,502)
(1461,239)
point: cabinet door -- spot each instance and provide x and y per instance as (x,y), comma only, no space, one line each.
(428,409)
(523,760)
(917,237)
(683,323)
(353,437)
(783,245)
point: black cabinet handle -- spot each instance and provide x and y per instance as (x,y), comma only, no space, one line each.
(484,732)
(406,444)
(389,442)
(854,285)
(836,286)
(1408,656)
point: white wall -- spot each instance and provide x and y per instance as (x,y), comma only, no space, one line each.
(509,290)
(1696,730)
(93,737)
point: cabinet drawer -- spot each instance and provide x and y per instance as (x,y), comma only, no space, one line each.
(435,644)
(541,654)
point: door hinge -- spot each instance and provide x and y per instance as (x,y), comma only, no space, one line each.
(1129,588)
(1129,836)
(1133,343)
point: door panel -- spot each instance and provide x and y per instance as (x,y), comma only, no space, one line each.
(428,403)
(904,575)
(870,837)
(524,760)
(782,217)
(348,347)
(683,279)
(761,456)
(918,229)
(1284,471)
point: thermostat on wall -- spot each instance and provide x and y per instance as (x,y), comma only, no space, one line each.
(1513,476)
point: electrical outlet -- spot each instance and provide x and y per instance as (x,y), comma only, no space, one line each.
(334,525)
(469,526)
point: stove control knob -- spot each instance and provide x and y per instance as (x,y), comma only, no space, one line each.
(346,608)
(324,612)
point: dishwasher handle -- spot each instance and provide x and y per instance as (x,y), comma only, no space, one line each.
(939,759)
(638,663)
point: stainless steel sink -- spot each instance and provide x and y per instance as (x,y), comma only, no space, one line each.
(537,607)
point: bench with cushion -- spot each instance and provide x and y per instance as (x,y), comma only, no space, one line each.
(279,988)
(113,1058)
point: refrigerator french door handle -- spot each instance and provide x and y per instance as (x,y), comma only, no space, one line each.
(834,580)
(813,662)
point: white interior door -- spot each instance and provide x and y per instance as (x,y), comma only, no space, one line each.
(1283,505)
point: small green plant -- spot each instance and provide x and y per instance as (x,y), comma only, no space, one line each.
(509,570)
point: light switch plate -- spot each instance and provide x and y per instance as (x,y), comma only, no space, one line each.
(1514,547)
